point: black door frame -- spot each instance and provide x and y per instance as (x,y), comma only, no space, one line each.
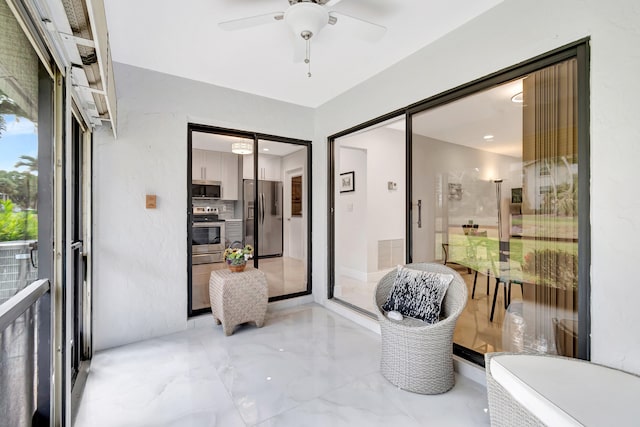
(256,137)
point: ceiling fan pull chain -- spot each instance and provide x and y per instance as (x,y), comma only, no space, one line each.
(308,58)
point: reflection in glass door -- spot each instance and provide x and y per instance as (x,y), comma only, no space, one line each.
(494,196)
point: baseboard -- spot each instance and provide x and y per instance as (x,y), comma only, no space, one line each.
(348,313)
(470,370)
(289,303)
(354,274)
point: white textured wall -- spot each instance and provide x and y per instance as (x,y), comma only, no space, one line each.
(140,255)
(514,31)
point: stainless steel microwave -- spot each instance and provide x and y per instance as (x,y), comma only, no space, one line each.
(206,189)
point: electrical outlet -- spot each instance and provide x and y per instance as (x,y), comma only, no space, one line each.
(224,208)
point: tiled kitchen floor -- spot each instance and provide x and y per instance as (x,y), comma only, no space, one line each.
(306,367)
(284,275)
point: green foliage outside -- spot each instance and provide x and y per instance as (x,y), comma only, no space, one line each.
(543,262)
(553,267)
(20,187)
(17,225)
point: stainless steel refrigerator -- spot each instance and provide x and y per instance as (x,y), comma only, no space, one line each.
(269,214)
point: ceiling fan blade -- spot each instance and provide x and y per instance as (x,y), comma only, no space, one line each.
(365,30)
(251,21)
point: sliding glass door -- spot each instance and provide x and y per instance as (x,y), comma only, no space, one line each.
(491,179)
(279,193)
(495,196)
(369,195)
(248,189)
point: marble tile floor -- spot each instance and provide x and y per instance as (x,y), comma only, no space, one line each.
(306,367)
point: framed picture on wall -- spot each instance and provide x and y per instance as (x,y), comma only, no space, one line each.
(516,195)
(347,182)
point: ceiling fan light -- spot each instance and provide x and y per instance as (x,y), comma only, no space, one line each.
(306,17)
(242,148)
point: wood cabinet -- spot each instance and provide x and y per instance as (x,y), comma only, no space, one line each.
(205,165)
(269,167)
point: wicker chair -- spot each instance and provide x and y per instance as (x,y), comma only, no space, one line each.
(417,356)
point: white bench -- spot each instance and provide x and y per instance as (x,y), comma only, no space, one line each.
(529,389)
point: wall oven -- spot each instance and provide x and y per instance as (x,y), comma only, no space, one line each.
(207,239)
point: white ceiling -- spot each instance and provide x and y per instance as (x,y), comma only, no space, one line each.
(468,120)
(464,122)
(183,39)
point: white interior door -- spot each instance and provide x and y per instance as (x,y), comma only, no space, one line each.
(293,225)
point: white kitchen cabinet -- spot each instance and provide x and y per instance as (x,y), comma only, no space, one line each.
(247,166)
(205,165)
(269,167)
(197,164)
(229,176)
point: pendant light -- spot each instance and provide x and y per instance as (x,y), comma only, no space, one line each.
(242,147)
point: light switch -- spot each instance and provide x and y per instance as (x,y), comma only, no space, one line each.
(151,201)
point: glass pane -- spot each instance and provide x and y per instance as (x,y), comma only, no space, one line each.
(281,233)
(495,175)
(18,157)
(216,177)
(369,217)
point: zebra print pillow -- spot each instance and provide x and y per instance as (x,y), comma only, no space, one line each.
(418,294)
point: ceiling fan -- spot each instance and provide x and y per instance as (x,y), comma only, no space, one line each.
(306,18)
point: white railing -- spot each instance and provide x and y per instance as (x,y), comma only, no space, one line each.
(20,352)
(20,302)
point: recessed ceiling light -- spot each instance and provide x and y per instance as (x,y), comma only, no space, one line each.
(488,137)
(265,149)
(517,98)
